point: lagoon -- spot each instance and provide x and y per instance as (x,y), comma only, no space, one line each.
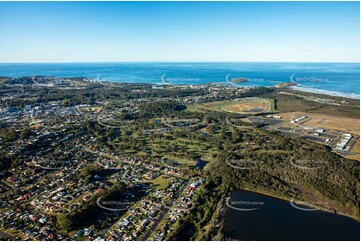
(266,218)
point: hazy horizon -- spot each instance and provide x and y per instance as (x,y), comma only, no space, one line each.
(135,62)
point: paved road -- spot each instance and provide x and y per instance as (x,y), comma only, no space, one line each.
(110,156)
(165,211)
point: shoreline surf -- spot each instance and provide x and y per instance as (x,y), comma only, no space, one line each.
(333,79)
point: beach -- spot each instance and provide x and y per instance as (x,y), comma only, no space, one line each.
(335,79)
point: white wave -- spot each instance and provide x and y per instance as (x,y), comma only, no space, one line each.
(326,92)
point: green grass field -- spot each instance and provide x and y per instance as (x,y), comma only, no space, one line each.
(224,105)
(161,182)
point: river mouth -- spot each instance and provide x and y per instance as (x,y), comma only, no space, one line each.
(253,216)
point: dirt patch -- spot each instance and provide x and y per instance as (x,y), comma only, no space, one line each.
(248,106)
(326,121)
(335,123)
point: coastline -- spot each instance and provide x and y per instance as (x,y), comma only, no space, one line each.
(304,203)
(326,92)
(298,88)
(210,74)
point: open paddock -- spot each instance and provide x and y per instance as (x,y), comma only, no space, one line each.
(355,150)
(325,122)
(337,123)
(249,106)
(333,127)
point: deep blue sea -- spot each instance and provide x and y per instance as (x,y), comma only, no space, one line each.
(340,79)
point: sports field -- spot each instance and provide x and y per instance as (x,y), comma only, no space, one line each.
(243,106)
(249,106)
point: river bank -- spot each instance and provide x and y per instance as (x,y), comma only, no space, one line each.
(272,218)
(308,204)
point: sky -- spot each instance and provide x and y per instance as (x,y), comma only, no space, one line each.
(179,31)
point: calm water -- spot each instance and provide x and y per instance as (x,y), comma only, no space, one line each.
(275,219)
(341,79)
(201,163)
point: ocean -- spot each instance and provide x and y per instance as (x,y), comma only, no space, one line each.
(338,79)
